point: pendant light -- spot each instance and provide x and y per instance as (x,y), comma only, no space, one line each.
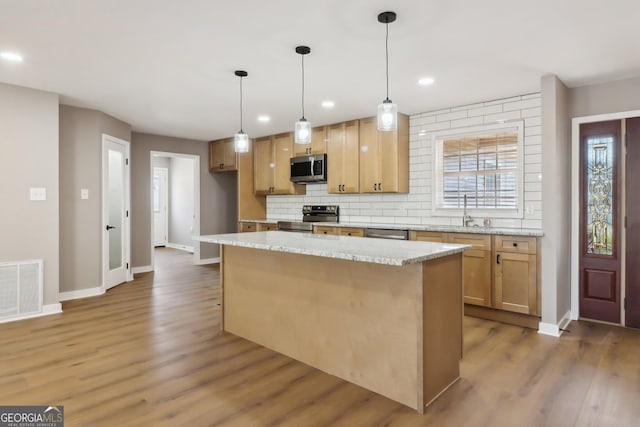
(387,111)
(302,133)
(241,139)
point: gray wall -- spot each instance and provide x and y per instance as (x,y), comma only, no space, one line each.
(29,144)
(181,201)
(556,200)
(81,220)
(218,194)
(612,97)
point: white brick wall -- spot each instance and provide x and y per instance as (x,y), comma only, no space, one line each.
(415,207)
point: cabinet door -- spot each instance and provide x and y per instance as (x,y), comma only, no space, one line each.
(350,155)
(322,229)
(350,231)
(393,158)
(369,156)
(318,143)
(428,236)
(245,227)
(230,155)
(515,282)
(477,277)
(216,156)
(282,149)
(263,166)
(335,160)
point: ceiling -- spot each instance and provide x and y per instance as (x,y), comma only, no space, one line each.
(166,66)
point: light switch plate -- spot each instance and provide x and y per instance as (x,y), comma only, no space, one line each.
(38,193)
(84,193)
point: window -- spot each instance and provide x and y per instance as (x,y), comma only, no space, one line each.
(483,164)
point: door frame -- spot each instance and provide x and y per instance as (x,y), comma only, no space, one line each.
(165,172)
(196,201)
(127,208)
(576,211)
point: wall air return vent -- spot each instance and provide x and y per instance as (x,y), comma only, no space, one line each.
(20,289)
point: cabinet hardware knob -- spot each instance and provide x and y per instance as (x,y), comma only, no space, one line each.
(515,245)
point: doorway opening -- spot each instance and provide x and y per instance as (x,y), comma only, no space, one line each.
(175,203)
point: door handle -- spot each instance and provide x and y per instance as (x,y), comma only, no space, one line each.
(109,227)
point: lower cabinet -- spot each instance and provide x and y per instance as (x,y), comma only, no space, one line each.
(516,274)
(499,271)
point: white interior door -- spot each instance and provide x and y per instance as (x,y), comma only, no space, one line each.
(160,206)
(115,211)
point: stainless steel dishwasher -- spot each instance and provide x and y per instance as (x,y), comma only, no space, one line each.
(387,233)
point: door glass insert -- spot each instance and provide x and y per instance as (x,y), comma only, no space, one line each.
(116,199)
(599,230)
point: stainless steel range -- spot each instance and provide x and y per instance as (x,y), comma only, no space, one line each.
(311,214)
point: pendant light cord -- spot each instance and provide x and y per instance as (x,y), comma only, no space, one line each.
(302,86)
(241,105)
(386,50)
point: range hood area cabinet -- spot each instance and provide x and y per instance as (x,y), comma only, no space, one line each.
(342,158)
(271,155)
(318,143)
(222,156)
(384,157)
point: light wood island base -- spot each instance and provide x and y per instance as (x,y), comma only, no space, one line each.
(395,330)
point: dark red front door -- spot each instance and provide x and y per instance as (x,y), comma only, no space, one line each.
(632,261)
(600,221)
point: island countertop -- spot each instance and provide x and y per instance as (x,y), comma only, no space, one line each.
(377,251)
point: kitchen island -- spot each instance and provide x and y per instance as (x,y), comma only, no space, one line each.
(382,314)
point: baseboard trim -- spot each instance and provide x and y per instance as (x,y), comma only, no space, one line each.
(143,269)
(81,293)
(47,310)
(208,261)
(553,329)
(180,247)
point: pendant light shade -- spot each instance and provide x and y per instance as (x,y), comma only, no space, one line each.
(241,139)
(387,111)
(302,130)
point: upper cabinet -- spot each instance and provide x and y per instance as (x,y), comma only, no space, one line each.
(384,157)
(272,166)
(222,156)
(318,143)
(342,157)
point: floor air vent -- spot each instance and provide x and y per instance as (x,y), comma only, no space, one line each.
(20,289)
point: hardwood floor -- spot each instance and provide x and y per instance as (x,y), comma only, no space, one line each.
(149,352)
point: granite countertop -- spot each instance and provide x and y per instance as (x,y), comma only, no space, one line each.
(422,227)
(377,251)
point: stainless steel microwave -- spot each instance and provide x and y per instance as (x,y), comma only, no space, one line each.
(309,169)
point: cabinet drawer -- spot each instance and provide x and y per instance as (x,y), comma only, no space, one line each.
(247,226)
(264,226)
(349,231)
(515,244)
(323,229)
(427,236)
(480,242)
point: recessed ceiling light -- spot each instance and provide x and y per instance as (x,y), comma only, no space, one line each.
(422,133)
(328,104)
(11,56)
(425,81)
(264,119)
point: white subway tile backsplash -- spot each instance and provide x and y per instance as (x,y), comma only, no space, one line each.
(415,207)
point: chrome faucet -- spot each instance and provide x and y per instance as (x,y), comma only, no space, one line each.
(466,219)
